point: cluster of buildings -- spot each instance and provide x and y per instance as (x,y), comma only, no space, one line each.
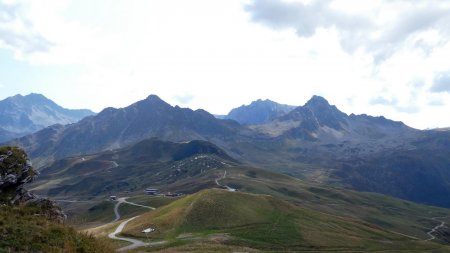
(154,192)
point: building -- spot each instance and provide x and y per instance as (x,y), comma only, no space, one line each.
(172,194)
(148,230)
(151,191)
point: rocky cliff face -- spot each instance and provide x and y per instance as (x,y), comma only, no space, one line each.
(16,171)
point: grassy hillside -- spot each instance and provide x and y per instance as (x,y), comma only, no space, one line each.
(392,214)
(23,229)
(153,201)
(265,222)
(389,213)
(29,223)
(94,213)
(194,166)
(150,163)
(88,214)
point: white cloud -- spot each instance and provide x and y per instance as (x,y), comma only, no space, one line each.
(18,33)
(184,99)
(209,54)
(380,30)
(441,83)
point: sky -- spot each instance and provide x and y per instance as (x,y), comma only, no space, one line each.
(379,57)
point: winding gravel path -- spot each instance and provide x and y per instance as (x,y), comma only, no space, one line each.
(124,200)
(221,185)
(433,230)
(135,243)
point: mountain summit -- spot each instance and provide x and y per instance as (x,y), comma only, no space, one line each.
(319,120)
(258,112)
(317,113)
(154,100)
(21,115)
(317,101)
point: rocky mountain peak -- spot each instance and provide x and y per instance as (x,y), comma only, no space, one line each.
(30,99)
(316,113)
(261,101)
(322,108)
(153,97)
(155,101)
(258,112)
(149,105)
(36,96)
(317,101)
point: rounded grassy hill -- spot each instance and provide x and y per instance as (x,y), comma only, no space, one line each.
(263,222)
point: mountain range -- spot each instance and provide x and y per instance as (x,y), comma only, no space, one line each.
(115,128)
(22,115)
(315,142)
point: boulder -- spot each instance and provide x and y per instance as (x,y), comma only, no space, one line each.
(16,171)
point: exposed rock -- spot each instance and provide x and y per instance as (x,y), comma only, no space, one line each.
(8,180)
(258,112)
(15,171)
(47,208)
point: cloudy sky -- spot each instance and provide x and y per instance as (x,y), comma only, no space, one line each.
(380,57)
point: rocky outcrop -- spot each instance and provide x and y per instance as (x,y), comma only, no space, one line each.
(16,171)
(15,168)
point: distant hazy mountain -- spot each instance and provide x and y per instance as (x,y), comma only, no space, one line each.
(6,135)
(258,112)
(21,115)
(115,128)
